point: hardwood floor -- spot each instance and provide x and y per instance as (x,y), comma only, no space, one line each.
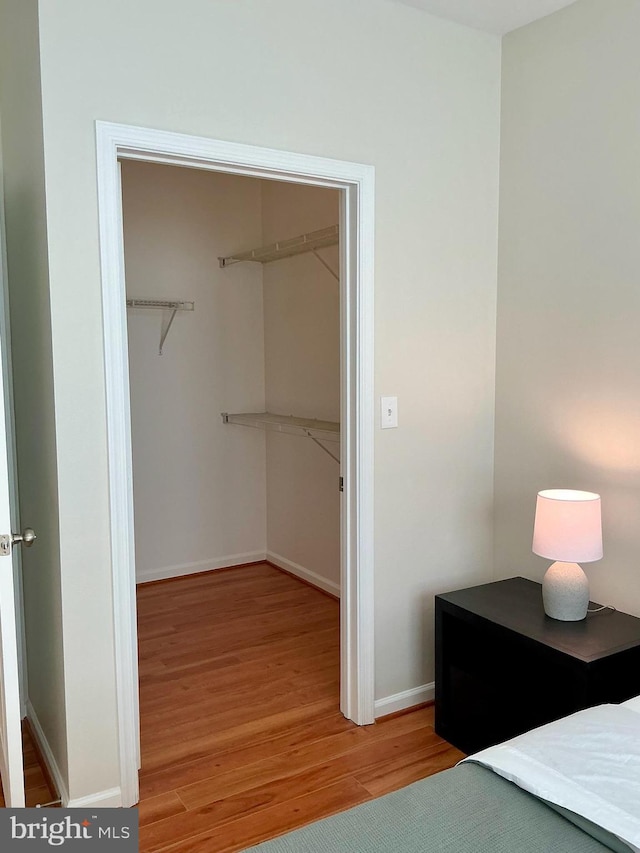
(37,789)
(242,737)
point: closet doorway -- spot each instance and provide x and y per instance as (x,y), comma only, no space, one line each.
(354,186)
(235,434)
(233,302)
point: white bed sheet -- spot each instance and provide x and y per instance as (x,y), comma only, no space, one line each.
(588,763)
(634,704)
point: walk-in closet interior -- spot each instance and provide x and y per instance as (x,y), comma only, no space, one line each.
(233,312)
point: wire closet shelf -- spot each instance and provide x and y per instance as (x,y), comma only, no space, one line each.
(173,305)
(317,430)
(310,242)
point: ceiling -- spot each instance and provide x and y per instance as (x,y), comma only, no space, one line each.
(494,16)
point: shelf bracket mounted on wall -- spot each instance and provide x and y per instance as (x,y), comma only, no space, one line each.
(172,305)
(326,265)
(321,446)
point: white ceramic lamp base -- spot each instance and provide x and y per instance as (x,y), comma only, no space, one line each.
(565,592)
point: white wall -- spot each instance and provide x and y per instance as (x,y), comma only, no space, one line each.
(27,268)
(418,98)
(413,95)
(302,373)
(199,486)
(568,376)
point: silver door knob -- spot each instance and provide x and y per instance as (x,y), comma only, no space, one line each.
(26,538)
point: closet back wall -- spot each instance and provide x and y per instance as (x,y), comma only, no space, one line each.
(302,370)
(199,486)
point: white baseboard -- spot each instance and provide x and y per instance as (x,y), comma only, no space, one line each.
(164,572)
(406,699)
(304,574)
(111,799)
(47,754)
(102,799)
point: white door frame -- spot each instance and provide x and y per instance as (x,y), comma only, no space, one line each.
(116,141)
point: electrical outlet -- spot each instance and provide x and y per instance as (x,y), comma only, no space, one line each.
(388,412)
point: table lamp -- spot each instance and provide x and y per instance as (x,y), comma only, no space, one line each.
(568,529)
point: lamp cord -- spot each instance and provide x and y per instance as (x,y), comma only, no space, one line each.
(604,607)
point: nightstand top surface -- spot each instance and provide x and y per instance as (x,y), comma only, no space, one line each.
(516,604)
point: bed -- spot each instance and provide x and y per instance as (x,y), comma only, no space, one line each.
(572,786)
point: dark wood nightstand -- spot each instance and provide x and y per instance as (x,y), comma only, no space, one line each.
(504,667)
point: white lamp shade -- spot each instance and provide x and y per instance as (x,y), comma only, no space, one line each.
(568,526)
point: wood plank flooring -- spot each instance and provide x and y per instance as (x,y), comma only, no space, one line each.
(242,737)
(37,790)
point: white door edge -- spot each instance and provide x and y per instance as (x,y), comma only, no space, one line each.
(5,334)
(116,141)
(11,763)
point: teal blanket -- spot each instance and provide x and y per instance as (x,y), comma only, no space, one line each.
(467,809)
